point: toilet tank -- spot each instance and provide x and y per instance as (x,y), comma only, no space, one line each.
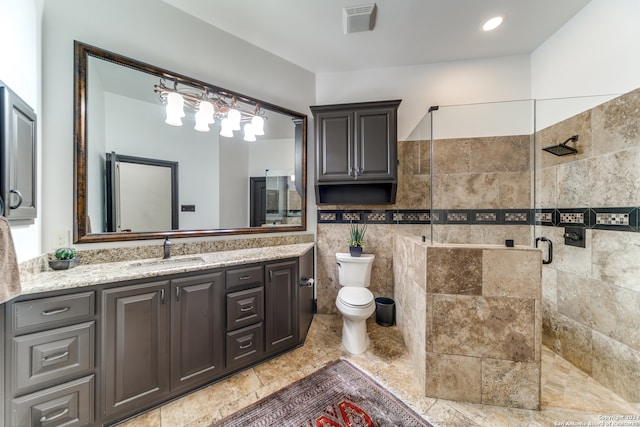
(354,271)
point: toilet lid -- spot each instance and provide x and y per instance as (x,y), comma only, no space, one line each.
(355,297)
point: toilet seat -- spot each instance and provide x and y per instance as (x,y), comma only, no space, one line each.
(355,297)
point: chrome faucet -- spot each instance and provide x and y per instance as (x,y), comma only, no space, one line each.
(167,248)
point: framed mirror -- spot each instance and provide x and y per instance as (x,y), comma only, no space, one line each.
(194,173)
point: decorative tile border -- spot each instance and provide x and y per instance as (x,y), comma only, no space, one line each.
(618,219)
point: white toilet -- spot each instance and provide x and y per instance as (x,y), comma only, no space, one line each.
(355,302)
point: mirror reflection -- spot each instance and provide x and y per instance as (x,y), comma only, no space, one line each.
(154,164)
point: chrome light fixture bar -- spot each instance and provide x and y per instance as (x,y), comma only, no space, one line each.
(208,108)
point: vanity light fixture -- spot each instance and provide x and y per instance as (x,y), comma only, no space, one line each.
(208,107)
(492,23)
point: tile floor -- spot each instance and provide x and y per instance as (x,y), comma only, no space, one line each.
(569,397)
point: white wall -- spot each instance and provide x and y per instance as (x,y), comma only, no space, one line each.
(153,32)
(591,59)
(419,87)
(595,53)
(20,70)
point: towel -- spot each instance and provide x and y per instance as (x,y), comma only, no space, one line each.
(9,273)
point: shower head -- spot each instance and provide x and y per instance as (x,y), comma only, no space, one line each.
(563,149)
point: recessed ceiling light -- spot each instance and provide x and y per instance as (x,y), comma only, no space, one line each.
(492,23)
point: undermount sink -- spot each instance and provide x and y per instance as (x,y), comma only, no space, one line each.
(167,263)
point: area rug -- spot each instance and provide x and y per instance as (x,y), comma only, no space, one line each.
(338,395)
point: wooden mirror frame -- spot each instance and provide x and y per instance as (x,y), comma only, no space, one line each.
(81,227)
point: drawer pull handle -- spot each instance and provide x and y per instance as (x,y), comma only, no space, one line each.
(46,418)
(245,309)
(245,277)
(55,311)
(242,347)
(56,357)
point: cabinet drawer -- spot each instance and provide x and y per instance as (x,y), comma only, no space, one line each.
(245,307)
(54,311)
(54,355)
(69,404)
(245,346)
(244,277)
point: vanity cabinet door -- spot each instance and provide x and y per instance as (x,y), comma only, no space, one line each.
(135,347)
(197,330)
(281,314)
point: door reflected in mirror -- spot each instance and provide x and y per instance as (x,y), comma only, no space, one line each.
(118,111)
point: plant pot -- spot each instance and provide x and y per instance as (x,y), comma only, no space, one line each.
(355,251)
(64,264)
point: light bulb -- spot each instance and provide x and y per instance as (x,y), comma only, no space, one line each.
(202,122)
(258,125)
(249,135)
(173,117)
(174,109)
(225,128)
(207,110)
(234,117)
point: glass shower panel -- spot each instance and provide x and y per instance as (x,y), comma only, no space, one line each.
(482,173)
(413,198)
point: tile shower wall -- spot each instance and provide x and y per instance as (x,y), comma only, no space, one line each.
(481,195)
(591,295)
(470,321)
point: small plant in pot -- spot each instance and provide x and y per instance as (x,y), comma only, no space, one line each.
(65,258)
(356,239)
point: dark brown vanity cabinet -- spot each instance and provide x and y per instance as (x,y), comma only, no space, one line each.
(17,158)
(245,316)
(197,330)
(95,357)
(135,347)
(160,338)
(49,372)
(281,306)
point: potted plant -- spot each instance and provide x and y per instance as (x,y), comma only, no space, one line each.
(65,258)
(356,239)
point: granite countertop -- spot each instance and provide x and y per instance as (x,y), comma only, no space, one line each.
(110,272)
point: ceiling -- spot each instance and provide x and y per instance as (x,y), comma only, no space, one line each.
(309,33)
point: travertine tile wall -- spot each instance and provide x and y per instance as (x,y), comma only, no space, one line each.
(471,322)
(410,272)
(462,179)
(591,295)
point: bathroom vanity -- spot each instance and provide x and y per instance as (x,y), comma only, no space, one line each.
(100,343)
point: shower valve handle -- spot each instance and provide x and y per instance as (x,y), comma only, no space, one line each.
(571,236)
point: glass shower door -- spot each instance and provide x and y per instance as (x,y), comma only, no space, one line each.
(482,173)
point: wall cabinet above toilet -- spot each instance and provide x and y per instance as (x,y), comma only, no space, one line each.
(356,152)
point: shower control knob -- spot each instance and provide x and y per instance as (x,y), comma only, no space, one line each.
(571,236)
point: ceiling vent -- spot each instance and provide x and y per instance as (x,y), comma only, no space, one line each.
(359,18)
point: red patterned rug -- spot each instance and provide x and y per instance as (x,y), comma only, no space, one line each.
(338,395)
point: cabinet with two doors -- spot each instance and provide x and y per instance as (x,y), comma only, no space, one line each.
(356,152)
(112,351)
